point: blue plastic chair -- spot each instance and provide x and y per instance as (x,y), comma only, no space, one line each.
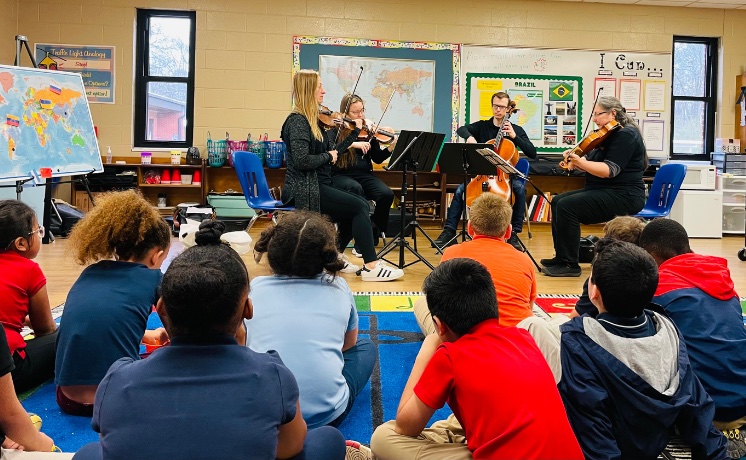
(663,192)
(254,185)
(524,167)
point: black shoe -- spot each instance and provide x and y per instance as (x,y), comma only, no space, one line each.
(445,236)
(513,240)
(563,270)
(553,262)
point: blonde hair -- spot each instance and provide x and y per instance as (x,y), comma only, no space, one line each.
(347,158)
(624,228)
(122,225)
(305,83)
(490,215)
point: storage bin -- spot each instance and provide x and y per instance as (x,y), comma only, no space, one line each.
(235,224)
(733,219)
(734,197)
(276,151)
(734,183)
(216,152)
(257,148)
(235,146)
(230,205)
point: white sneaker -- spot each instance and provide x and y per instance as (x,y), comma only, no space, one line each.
(349,266)
(357,254)
(381,272)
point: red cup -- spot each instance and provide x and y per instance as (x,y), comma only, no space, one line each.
(45,173)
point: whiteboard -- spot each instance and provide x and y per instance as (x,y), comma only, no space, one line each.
(45,122)
(641,81)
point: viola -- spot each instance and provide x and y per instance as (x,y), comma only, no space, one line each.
(590,142)
(499,183)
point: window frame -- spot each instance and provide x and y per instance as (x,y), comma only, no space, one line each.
(142,79)
(709,98)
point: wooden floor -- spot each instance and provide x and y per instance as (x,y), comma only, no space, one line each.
(61,271)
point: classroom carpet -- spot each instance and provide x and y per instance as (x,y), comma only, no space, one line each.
(386,318)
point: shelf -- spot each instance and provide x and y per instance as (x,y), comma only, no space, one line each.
(165,166)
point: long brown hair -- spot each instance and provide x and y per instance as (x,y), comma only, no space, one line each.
(347,158)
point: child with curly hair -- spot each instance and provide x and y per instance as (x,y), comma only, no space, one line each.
(308,315)
(125,241)
(23,290)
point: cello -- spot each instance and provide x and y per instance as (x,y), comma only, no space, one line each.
(499,183)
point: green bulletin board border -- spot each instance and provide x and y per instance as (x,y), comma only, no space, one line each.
(447,86)
(504,76)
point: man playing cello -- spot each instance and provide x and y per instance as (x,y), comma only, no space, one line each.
(480,132)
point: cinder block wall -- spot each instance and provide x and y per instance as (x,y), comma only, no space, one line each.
(244,46)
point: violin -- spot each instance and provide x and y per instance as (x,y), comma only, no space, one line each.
(330,119)
(590,142)
(385,135)
(499,183)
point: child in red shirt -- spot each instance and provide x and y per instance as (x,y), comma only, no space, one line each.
(23,289)
(503,396)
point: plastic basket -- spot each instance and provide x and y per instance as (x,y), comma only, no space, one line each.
(216,152)
(235,146)
(276,151)
(258,149)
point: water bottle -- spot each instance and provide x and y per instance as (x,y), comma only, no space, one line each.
(108,154)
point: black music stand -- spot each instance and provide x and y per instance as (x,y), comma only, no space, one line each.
(498,162)
(415,151)
(463,159)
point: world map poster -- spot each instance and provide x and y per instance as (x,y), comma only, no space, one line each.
(408,84)
(548,106)
(45,122)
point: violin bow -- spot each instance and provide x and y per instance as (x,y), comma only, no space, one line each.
(347,106)
(371,133)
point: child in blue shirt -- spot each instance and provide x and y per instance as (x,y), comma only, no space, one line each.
(106,312)
(204,396)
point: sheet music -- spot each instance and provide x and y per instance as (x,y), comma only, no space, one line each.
(500,163)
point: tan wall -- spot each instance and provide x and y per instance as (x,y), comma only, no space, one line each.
(244,46)
(8,20)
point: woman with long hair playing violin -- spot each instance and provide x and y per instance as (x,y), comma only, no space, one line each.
(308,181)
(480,132)
(613,185)
(353,170)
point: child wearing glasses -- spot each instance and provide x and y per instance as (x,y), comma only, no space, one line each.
(125,241)
(23,289)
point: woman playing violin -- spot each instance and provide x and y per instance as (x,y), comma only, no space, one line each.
(308,182)
(479,132)
(613,186)
(353,170)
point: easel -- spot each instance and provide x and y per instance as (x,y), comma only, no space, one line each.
(498,162)
(418,151)
(455,159)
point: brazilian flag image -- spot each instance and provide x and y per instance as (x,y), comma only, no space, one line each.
(560,91)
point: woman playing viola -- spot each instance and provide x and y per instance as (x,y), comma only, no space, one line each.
(308,181)
(353,171)
(613,186)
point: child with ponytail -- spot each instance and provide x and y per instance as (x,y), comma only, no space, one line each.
(308,314)
(125,241)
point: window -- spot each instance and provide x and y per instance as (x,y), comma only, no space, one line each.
(693,97)
(164,78)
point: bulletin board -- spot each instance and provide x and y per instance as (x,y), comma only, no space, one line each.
(556,89)
(421,80)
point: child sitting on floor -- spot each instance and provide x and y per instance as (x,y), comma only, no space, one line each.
(308,314)
(106,312)
(204,396)
(494,378)
(626,381)
(23,290)
(697,293)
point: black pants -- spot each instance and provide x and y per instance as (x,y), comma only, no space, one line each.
(570,209)
(350,212)
(371,188)
(38,365)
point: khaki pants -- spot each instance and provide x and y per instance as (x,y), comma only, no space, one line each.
(545,332)
(444,440)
